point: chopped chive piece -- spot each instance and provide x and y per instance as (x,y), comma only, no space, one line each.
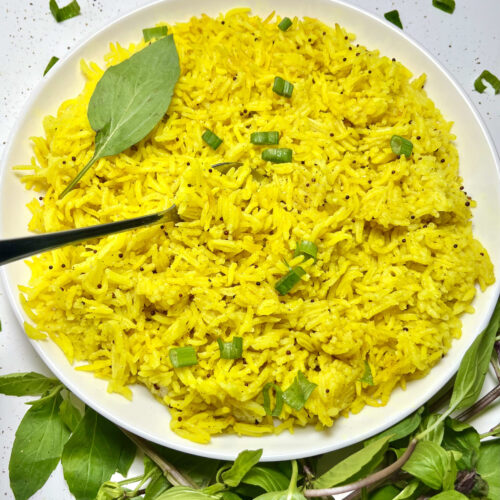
(490,78)
(298,393)
(265,138)
(445,5)
(52,61)
(183,356)
(231,350)
(393,17)
(156,32)
(277,155)
(367,376)
(306,248)
(267,400)
(285,23)
(211,139)
(226,166)
(401,146)
(282,87)
(285,284)
(63,13)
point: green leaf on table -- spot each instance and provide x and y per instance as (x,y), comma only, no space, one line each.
(243,463)
(474,365)
(488,466)
(466,440)
(367,377)
(185,493)
(436,434)
(400,430)
(449,495)
(229,495)
(282,495)
(387,492)
(268,479)
(127,456)
(70,415)
(130,99)
(409,490)
(346,470)
(92,455)
(37,447)
(26,384)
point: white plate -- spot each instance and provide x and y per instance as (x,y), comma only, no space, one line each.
(144,416)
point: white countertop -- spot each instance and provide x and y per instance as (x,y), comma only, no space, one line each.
(466,42)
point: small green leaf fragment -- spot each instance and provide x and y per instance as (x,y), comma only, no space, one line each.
(63,13)
(447,6)
(393,17)
(298,392)
(51,63)
(490,78)
(367,376)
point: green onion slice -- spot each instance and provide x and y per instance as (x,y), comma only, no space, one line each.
(211,139)
(367,377)
(298,393)
(265,138)
(183,356)
(282,87)
(231,350)
(306,248)
(393,17)
(277,155)
(445,5)
(267,400)
(63,13)
(285,284)
(285,23)
(52,61)
(226,166)
(156,32)
(490,78)
(401,146)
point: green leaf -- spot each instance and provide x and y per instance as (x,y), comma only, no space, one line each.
(387,492)
(298,393)
(436,434)
(110,490)
(450,473)
(158,482)
(26,384)
(449,495)
(429,463)
(408,490)
(243,463)
(282,495)
(130,99)
(367,376)
(487,466)
(466,440)
(400,430)
(185,493)
(353,464)
(156,32)
(127,456)
(474,365)
(229,495)
(69,414)
(268,479)
(37,447)
(92,454)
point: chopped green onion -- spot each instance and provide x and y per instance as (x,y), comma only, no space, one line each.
(401,146)
(285,23)
(183,356)
(226,166)
(445,5)
(231,350)
(393,17)
(265,138)
(298,393)
(156,32)
(306,248)
(63,13)
(282,87)
(211,139)
(267,400)
(285,284)
(367,376)
(52,61)
(277,155)
(490,78)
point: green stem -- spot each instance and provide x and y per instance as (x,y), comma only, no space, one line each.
(496,366)
(80,174)
(131,480)
(293,480)
(480,405)
(492,432)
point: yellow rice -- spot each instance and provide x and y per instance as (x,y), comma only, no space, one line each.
(397,262)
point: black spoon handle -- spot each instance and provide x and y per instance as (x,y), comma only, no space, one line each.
(20,248)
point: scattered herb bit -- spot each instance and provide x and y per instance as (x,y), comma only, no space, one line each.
(156,32)
(444,5)
(277,155)
(285,284)
(285,23)
(401,146)
(282,87)
(265,138)
(52,61)
(306,248)
(211,139)
(231,350)
(183,356)
(393,17)
(278,407)
(298,393)
(130,99)
(367,376)
(63,13)
(490,78)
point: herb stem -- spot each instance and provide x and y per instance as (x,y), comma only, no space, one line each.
(429,429)
(495,365)
(367,481)
(480,405)
(307,471)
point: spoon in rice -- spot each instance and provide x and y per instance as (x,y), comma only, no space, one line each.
(21,248)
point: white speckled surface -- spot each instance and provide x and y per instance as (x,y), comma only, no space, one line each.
(466,43)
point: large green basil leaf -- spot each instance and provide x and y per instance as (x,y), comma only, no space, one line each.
(243,463)
(70,415)
(488,466)
(268,479)
(466,441)
(26,384)
(37,447)
(185,493)
(387,492)
(282,495)
(409,490)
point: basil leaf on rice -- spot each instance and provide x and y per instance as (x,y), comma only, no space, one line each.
(298,393)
